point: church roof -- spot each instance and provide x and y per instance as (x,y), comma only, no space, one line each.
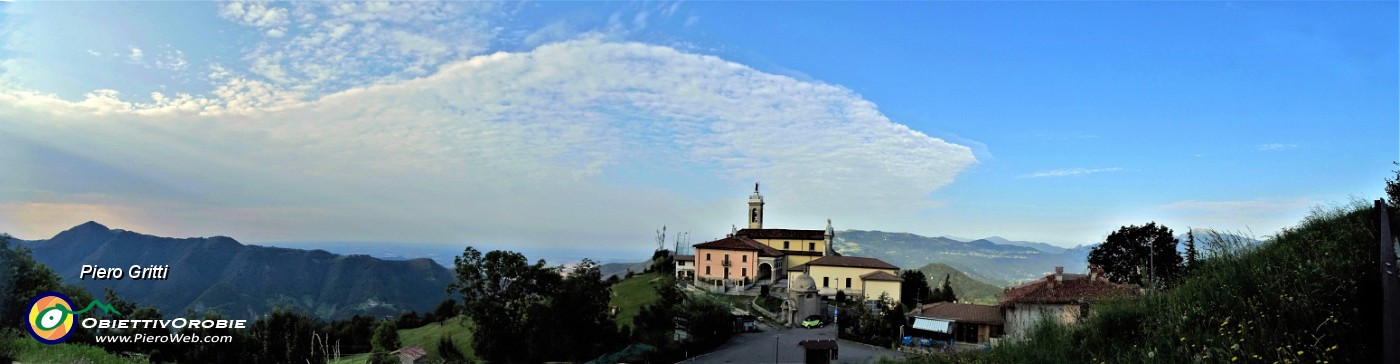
(782,234)
(740,243)
(880,275)
(857,262)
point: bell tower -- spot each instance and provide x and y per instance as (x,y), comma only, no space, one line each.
(755,212)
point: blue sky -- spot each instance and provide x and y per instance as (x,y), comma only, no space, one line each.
(580,123)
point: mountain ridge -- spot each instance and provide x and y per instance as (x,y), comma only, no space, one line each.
(243,281)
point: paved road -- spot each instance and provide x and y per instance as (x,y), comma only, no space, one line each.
(758,347)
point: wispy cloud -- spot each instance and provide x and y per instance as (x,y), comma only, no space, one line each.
(1069,172)
(461,146)
(1275,147)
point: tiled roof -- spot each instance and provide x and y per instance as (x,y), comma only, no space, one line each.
(689,258)
(961,312)
(880,275)
(740,243)
(1075,288)
(858,262)
(413,352)
(782,234)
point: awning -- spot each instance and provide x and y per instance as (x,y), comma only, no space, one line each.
(933,325)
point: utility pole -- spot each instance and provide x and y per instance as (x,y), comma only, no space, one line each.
(775,349)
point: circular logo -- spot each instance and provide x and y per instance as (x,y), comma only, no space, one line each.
(50,317)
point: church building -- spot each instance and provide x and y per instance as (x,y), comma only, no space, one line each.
(755,256)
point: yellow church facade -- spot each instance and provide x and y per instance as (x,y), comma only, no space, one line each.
(777,256)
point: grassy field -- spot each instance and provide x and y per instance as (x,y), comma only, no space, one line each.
(428,337)
(1309,295)
(631,294)
(27,350)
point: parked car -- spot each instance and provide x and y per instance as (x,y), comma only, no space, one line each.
(812,321)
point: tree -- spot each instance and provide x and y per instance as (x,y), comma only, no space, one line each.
(1191,253)
(1143,255)
(511,302)
(579,326)
(386,337)
(1392,187)
(445,310)
(283,336)
(946,292)
(914,290)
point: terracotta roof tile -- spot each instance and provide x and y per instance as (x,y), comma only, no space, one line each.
(1075,288)
(782,234)
(740,243)
(961,312)
(880,275)
(858,262)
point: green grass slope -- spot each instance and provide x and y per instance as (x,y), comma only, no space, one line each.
(27,350)
(966,288)
(1309,295)
(458,329)
(629,295)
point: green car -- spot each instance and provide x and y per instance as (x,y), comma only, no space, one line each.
(812,322)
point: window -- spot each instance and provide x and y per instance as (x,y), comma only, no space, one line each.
(785,245)
(812,246)
(707,256)
(848,282)
(707,270)
(744,272)
(744,259)
(826,281)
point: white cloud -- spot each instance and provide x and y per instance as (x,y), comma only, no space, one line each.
(94,53)
(1275,147)
(136,55)
(1068,172)
(526,147)
(317,48)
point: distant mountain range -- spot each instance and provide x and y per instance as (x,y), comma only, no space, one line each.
(244,281)
(982,259)
(966,288)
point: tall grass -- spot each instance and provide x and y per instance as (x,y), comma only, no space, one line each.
(1310,294)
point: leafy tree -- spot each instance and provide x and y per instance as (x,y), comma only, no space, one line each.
(210,352)
(445,310)
(283,336)
(653,323)
(352,335)
(1133,254)
(386,337)
(662,261)
(914,290)
(840,297)
(580,326)
(509,299)
(1392,187)
(22,278)
(409,320)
